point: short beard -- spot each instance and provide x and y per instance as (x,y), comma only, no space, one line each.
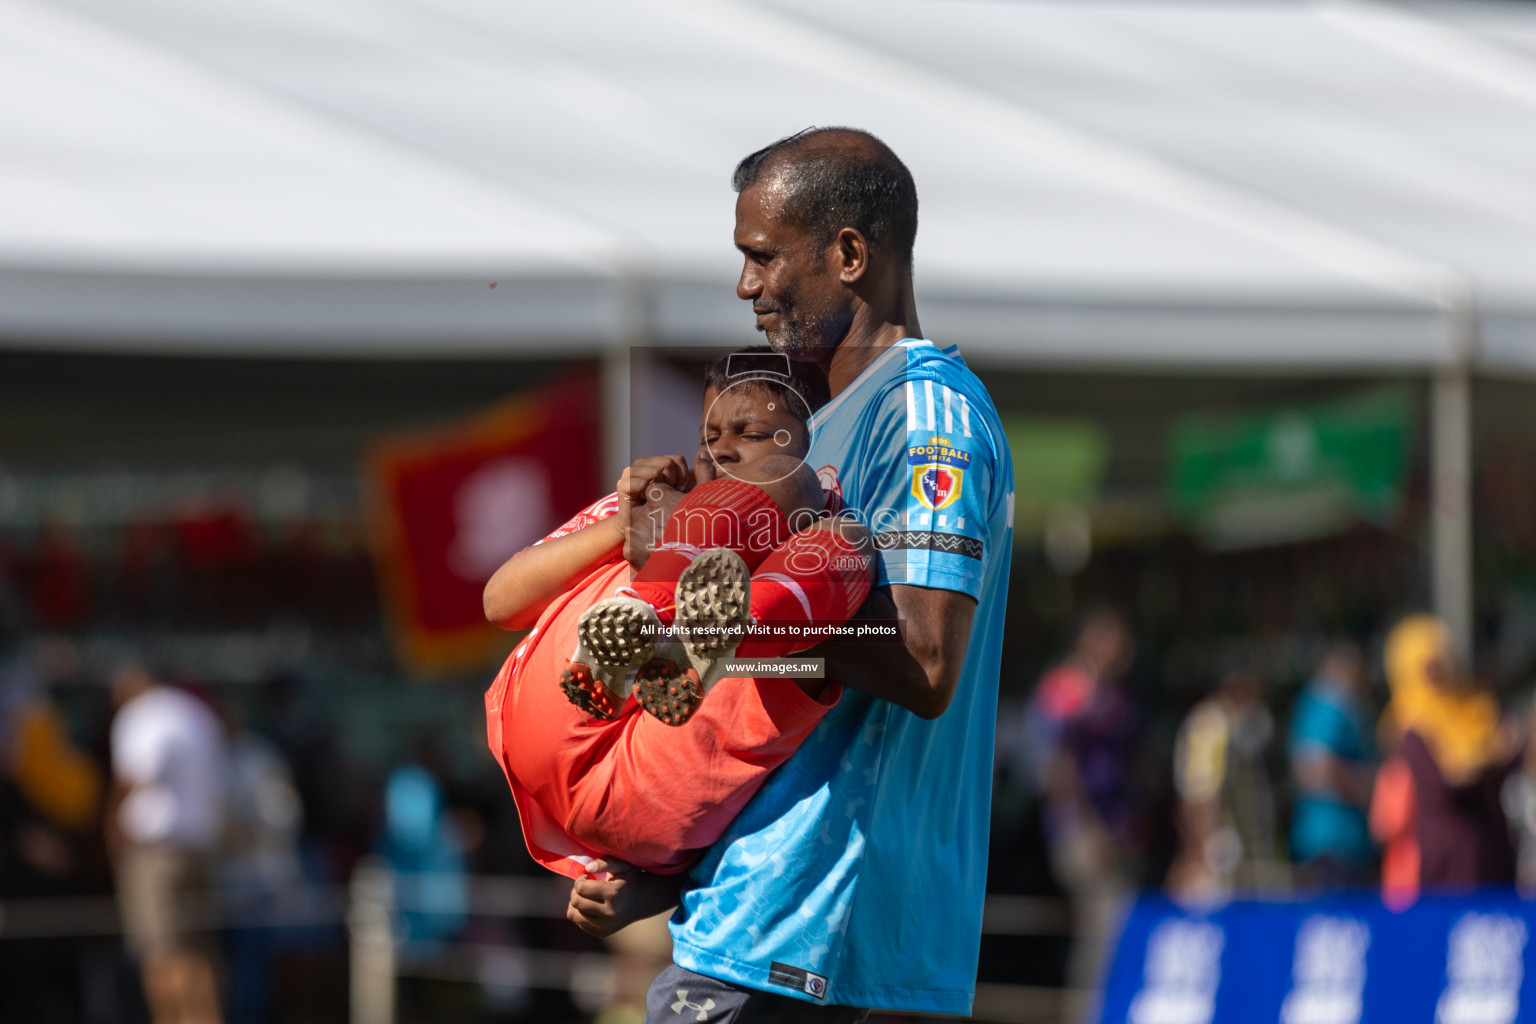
(799,338)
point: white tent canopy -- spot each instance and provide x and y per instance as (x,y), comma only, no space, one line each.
(1337,186)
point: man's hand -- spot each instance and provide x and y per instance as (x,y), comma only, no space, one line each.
(648,492)
(617,895)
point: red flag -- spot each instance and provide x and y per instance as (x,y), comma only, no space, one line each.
(451,504)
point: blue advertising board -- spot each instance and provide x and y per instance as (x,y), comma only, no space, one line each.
(1344,959)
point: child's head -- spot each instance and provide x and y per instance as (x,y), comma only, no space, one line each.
(756,404)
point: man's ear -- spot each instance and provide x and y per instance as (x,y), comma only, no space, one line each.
(850,255)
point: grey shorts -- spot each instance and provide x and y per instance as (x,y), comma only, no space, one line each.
(160,892)
(678,996)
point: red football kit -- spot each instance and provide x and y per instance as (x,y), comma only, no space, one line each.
(632,787)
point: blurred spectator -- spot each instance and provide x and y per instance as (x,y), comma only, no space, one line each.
(336,826)
(147,570)
(1222,773)
(170,766)
(220,553)
(640,952)
(422,844)
(1519,798)
(61,595)
(260,868)
(1332,754)
(59,783)
(50,793)
(1083,725)
(1438,807)
(1394,824)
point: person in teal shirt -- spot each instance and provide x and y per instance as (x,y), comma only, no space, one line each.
(1333,763)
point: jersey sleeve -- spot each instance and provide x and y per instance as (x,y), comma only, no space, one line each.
(596,512)
(934,495)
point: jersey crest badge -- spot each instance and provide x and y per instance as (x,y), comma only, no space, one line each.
(937,487)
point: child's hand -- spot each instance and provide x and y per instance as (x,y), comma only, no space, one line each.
(615,895)
(648,491)
(637,482)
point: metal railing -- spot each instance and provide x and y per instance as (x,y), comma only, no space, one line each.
(371,905)
(376,902)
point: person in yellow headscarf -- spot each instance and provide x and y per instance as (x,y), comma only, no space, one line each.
(1458,722)
(1452,757)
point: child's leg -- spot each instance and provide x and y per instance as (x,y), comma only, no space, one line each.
(806,569)
(641,790)
(633,787)
(751,513)
(661,794)
(818,577)
(698,576)
(748,516)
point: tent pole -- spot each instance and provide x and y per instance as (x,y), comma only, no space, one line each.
(626,361)
(616,411)
(1451,483)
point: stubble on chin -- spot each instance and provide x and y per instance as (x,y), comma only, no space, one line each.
(800,339)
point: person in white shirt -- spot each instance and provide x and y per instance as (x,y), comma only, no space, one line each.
(169,765)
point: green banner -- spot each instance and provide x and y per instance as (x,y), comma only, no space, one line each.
(1055,461)
(1289,474)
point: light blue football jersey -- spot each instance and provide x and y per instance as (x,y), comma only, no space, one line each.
(857,873)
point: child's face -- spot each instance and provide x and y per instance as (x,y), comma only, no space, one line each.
(747,423)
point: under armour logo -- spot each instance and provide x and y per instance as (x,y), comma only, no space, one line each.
(683,1004)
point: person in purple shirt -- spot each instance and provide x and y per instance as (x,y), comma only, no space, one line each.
(1084,725)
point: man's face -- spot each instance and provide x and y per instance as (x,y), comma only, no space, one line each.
(747,422)
(799,301)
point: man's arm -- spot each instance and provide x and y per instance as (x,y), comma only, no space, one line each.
(930,489)
(920,671)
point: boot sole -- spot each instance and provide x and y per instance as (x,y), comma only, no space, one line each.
(612,637)
(618,632)
(667,692)
(714,598)
(588,693)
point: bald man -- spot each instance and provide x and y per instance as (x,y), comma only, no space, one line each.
(855,878)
